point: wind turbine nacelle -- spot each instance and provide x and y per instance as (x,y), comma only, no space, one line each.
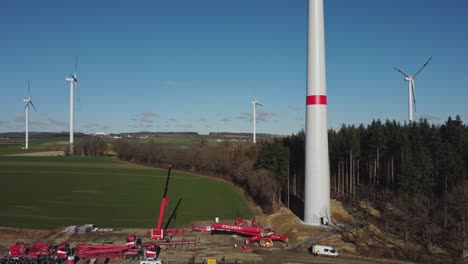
(69,79)
(407,78)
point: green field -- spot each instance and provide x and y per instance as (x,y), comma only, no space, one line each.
(50,192)
(16,145)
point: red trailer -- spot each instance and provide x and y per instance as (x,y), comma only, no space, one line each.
(107,251)
(128,251)
(173,243)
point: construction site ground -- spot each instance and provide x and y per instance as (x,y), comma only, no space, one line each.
(210,246)
(301,237)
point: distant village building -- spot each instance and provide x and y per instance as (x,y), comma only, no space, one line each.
(101,134)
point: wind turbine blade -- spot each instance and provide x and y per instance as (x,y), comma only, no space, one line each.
(74,78)
(30,102)
(401,72)
(414,97)
(29,89)
(76,68)
(26,105)
(425,64)
(259,104)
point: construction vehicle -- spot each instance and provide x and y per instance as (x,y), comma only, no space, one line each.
(39,249)
(160,233)
(319,250)
(132,250)
(263,235)
(151,261)
(163,236)
(128,251)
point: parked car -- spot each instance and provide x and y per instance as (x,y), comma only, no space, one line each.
(319,250)
(151,261)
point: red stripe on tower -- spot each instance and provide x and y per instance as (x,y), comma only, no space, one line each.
(316,99)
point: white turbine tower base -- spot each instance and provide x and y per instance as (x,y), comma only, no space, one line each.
(317,171)
(255,103)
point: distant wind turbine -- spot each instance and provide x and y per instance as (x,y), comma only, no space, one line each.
(255,103)
(411,90)
(73,79)
(28,102)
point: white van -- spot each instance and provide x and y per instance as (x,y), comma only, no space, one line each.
(319,250)
(151,261)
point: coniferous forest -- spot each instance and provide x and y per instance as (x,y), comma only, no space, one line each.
(414,175)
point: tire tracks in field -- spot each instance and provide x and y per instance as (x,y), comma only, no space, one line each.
(76,167)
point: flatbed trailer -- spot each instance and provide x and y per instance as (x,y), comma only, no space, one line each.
(174,243)
(87,251)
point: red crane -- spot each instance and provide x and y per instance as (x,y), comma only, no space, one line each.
(160,233)
(263,235)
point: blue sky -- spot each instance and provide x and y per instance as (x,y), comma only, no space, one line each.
(185,65)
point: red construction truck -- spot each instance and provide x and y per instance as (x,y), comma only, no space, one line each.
(39,249)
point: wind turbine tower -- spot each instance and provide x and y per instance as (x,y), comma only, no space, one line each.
(317,171)
(255,103)
(73,79)
(26,108)
(411,90)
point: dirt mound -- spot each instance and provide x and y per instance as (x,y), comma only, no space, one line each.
(288,224)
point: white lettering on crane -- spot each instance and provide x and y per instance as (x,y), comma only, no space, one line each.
(231,227)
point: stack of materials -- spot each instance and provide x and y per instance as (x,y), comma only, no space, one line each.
(84,229)
(71,229)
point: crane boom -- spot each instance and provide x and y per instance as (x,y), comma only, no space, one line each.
(158,233)
(173,214)
(166,186)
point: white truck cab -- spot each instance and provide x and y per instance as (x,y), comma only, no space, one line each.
(319,250)
(151,261)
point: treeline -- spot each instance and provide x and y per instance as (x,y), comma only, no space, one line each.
(417,158)
(258,169)
(414,174)
(90,146)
